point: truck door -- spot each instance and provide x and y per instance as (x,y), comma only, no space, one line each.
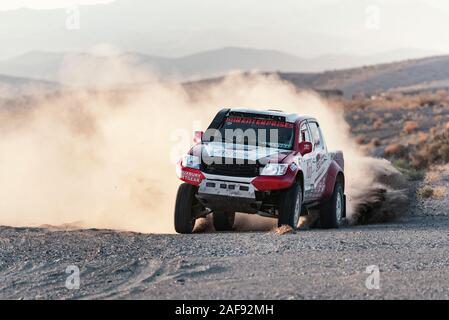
(319,160)
(306,163)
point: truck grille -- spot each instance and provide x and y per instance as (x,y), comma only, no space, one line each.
(226,168)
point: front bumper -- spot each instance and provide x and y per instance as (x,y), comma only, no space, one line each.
(234,194)
(228,194)
(227,188)
(239,186)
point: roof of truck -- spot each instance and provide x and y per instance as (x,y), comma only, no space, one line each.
(289,117)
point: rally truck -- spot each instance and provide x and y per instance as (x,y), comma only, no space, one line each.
(270,163)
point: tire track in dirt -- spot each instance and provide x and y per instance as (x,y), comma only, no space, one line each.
(146,274)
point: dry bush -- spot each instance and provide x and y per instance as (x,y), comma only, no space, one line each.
(418,146)
(356,103)
(439,192)
(376,142)
(395,150)
(432,176)
(410,127)
(405,167)
(428,98)
(418,161)
(443,152)
(360,140)
(442,95)
(433,131)
(396,100)
(402,164)
(422,137)
(425,192)
(434,151)
(378,123)
(415,175)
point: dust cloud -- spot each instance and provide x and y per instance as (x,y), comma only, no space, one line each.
(104,156)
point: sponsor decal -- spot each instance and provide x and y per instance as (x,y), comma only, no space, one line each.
(309,170)
(321,185)
(191,176)
(261,122)
(293,166)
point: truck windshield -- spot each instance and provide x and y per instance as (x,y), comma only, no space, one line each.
(257,132)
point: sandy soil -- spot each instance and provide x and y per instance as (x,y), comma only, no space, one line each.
(411,254)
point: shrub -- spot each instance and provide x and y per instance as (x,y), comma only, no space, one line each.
(419,161)
(405,167)
(395,150)
(439,192)
(422,138)
(377,124)
(446,127)
(402,164)
(410,127)
(432,176)
(376,142)
(426,192)
(360,140)
(415,175)
(434,151)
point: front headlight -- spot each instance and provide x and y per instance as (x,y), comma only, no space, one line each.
(274,169)
(189,161)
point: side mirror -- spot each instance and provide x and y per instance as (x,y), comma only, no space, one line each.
(198,136)
(305,147)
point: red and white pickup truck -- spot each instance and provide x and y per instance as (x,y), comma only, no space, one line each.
(268,163)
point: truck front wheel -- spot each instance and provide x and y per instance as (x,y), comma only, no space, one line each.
(290,204)
(223,221)
(185,200)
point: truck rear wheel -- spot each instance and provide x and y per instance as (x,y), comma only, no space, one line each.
(223,221)
(185,200)
(332,211)
(290,204)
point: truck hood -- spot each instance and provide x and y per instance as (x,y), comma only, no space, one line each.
(246,152)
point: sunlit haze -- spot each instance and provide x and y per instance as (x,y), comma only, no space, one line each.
(175,28)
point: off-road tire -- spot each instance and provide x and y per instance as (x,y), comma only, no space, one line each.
(328,211)
(185,199)
(288,205)
(223,221)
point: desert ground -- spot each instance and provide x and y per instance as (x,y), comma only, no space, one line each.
(100,99)
(411,254)
(410,251)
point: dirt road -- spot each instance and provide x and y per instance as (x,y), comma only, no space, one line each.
(412,255)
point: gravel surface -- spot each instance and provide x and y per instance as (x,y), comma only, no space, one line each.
(412,255)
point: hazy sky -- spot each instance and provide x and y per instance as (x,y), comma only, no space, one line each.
(46,4)
(52,4)
(178,27)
